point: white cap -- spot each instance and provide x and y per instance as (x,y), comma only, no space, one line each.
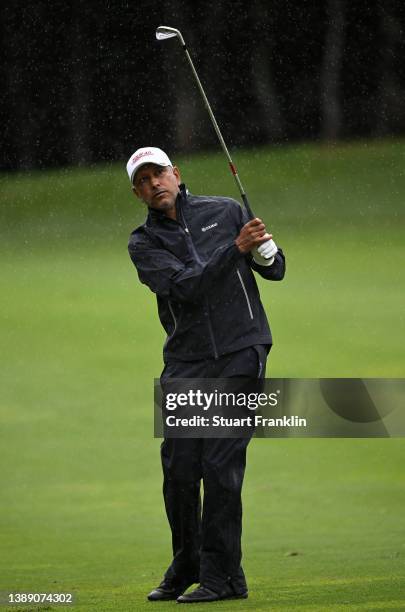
(146,155)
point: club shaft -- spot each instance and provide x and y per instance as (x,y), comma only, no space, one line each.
(220,137)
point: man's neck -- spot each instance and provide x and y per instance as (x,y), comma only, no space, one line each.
(171,213)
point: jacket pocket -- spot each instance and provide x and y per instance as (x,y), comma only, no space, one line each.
(245,292)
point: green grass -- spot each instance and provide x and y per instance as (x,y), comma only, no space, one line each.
(81,505)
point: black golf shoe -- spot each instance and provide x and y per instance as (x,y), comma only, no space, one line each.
(204,595)
(168,590)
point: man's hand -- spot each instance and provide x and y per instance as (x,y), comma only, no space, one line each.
(252,235)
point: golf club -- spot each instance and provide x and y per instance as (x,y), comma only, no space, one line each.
(163,33)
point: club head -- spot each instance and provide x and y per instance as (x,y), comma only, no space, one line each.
(164,32)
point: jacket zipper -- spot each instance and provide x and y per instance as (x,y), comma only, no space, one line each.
(245,292)
(174,318)
(196,255)
(214,346)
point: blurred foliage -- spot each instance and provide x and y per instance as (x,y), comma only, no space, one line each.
(88,82)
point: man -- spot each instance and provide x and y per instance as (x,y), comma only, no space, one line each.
(196,253)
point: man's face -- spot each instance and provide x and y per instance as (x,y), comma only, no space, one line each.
(158,187)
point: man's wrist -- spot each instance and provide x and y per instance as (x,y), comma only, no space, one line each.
(262,261)
(241,252)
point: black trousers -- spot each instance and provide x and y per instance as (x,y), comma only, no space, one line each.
(207,541)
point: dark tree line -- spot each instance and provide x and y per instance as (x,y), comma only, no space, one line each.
(86,81)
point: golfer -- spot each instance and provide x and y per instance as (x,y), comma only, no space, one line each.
(197,253)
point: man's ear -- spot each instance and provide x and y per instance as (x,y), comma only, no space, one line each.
(135,192)
(176,173)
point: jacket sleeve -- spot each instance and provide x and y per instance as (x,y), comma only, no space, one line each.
(170,278)
(274,272)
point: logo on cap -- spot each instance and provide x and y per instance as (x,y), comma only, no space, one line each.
(141,154)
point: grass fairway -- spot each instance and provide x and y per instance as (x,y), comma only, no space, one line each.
(81,498)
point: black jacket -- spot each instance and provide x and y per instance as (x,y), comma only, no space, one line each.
(208,300)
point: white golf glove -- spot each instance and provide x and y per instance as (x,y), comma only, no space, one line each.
(264,254)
